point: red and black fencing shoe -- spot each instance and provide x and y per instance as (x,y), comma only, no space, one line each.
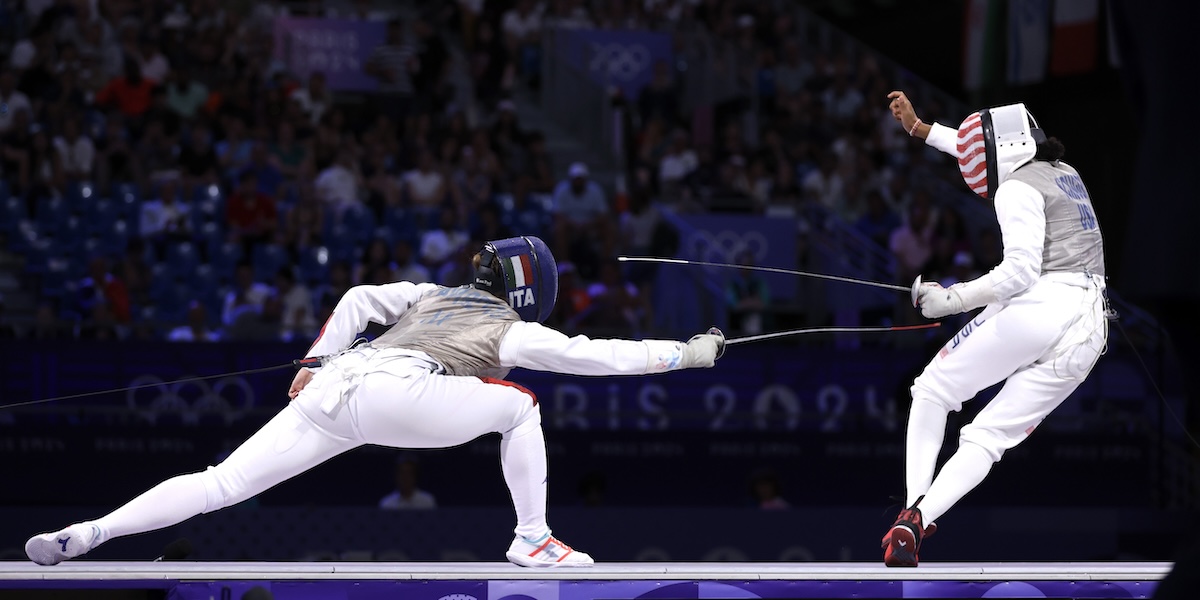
(903,540)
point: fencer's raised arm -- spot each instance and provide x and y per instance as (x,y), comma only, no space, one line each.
(364,304)
(531,345)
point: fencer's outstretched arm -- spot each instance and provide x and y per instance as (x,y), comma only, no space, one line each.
(534,346)
(936,135)
(364,304)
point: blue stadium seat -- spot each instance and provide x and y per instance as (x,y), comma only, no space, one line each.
(206,210)
(205,284)
(37,256)
(70,235)
(211,236)
(125,191)
(101,214)
(314,266)
(116,238)
(182,258)
(52,213)
(129,203)
(224,258)
(360,220)
(268,259)
(12,212)
(160,281)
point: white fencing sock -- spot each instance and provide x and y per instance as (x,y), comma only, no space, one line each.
(923,443)
(523,459)
(170,502)
(961,474)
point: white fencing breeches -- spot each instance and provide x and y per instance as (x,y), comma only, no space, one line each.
(1044,342)
(363,397)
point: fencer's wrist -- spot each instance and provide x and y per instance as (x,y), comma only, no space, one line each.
(974,294)
(913,130)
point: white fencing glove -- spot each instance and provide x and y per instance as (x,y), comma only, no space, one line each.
(937,302)
(702,350)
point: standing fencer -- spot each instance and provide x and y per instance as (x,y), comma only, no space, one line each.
(432,380)
(1045,324)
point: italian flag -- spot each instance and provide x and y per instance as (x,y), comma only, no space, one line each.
(520,274)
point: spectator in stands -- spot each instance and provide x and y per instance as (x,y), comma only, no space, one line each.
(425,186)
(117,162)
(196,329)
(616,305)
(185,95)
(299,320)
(264,325)
(198,160)
(879,221)
(792,73)
(407,494)
(129,93)
(492,66)
(912,242)
(76,152)
(677,164)
(441,244)
(302,224)
(16,146)
(538,164)
(136,273)
(527,216)
(489,226)
(233,152)
(522,26)
(270,179)
(247,295)
(339,185)
(382,187)
(315,98)
(949,238)
(13,100)
(825,186)
(46,324)
(842,100)
(639,227)
(165,219)
(100,325)
(581,219)
(292,157)
(157,154)
(475,185)
(153,62)
(339,283)
(375,257)
(393,63)
(45,165)
(748,296)
(102,287)
(405,266)
(660,98)
(573,299)
(251,215)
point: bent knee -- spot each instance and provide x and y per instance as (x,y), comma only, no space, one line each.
(988,441)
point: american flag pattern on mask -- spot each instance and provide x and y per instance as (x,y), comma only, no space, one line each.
(972,154)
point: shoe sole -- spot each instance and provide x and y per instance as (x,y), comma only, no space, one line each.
(524,561)
(900,548)
(44,550)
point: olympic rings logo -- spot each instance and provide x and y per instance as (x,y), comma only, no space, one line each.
(230,397)
(620,61)
(727,246)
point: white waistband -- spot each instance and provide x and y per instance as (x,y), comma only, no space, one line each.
(1077,279)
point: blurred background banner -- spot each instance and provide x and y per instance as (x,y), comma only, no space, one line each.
(621,59)
(743,239)
(338,48)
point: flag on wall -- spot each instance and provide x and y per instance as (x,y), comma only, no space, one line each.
(1073,48)
(981,41)
(1028,41)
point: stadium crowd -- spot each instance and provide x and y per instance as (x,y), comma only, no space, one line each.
(166,176)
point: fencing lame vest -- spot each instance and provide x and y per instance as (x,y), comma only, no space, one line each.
(1073,243)
(459,327)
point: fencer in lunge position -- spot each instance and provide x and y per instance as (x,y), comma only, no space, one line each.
(432,380)
(1045,322)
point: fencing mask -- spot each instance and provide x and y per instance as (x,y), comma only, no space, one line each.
(521,271)
(993,142)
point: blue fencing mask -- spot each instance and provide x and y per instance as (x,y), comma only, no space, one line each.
(521,271)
